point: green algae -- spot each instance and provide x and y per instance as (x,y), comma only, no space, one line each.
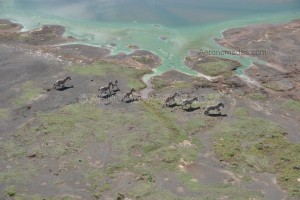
(4,114)
(256,144)
(216,191)
(131,74)
(29,93)
(292,105)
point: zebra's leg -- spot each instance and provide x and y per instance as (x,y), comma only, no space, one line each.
(207,112)
(101,92)
(132,97)
(167,103)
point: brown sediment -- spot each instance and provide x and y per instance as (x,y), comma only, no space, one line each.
(138,59)
(278,45)
(49,40)
(197,61)
(280,74)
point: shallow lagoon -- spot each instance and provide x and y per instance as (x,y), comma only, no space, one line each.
(189,24)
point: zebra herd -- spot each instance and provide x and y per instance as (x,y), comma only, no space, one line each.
(108,90)
(113,87)
(188,102)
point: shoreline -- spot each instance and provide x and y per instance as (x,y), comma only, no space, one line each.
(143,143)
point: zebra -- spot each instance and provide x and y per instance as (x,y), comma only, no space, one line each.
(188,102)
(170,99)
(217,107)
(129,95)
(105,88)
(61,82)
(115,85)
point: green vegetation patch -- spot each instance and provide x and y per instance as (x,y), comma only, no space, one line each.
(257,96)
(11,149)
(97,180)
(217,191)
(4,26)
(17,174)
(277,85)
(292,105)
(257,144)
(217,66)
(132,75)
(24,196)
(11,191)
(143,59)
(29,93)
(155,140)
(4,114)
(241,112)
(148,191)
(67,130)
(160,84)
(148,144)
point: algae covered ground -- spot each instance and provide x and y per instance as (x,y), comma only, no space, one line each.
(94,150)
(257,144)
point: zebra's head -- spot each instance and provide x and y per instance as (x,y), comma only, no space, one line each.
(221,104)
(69,77)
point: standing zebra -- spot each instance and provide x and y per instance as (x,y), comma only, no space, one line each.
(170,99)
(61,82)
(115,85)
(217,107)
(188,102)
(129,95)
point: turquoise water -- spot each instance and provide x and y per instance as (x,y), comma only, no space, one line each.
(188,24)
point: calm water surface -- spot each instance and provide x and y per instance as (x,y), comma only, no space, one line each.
(188,24)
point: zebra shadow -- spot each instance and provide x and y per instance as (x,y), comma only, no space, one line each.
(191,109)
(64,88)
(217,115)
(172,105)
(130,100)
(106,96)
